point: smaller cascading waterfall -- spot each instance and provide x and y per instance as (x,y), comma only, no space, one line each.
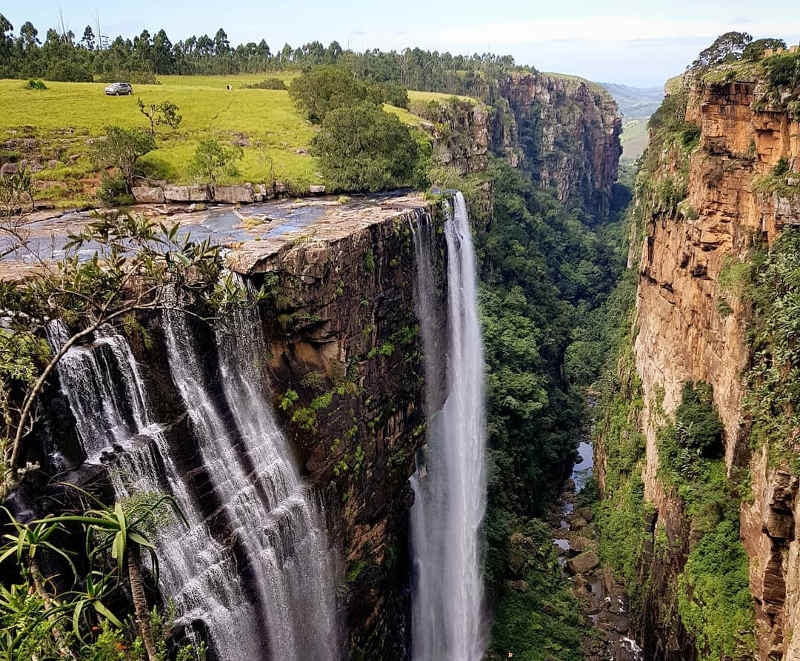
(448,622)
(273,514)
(109,402)
(282,605)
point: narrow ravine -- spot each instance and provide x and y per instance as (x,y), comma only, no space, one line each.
(450,483)
(603,600)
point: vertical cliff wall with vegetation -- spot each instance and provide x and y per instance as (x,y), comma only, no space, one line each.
(695,437)
(341,364)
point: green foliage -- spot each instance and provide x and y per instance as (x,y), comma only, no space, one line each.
(369,260)
(394,94)
(288,400)
(122,148)
(35,84)
(623,515)
(16,192)
(783,70)
(727,47)
(113,190)
(755,51)
(362,148)
(135,77)
(212,159)
(323,89)
(267,84)
(538,619)
(772,399)
(70,617)
(714,599)
(546,273)
(160,114)
(697,424)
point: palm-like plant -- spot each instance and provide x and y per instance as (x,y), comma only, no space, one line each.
(96,588)
(123,534)
(26,543)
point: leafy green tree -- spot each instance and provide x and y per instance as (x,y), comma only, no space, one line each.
(727,47)
(211,159)
(755,51)
(323,89)
(165,113)
(362,148)
(122,148)
(88,39)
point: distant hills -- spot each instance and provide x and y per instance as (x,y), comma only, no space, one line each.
(635,102)
(636,105)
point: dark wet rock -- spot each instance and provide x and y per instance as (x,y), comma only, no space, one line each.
(583,563)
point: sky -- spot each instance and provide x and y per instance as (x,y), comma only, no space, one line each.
(622,41)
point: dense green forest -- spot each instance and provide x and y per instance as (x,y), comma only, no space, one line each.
(62,55)
(549,273)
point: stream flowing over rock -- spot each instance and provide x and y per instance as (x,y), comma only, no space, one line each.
(450,482)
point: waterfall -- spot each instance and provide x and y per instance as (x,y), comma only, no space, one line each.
(108,399)
(256,570)
(450,482)
(271,512)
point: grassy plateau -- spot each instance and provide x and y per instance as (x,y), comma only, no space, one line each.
(55,127)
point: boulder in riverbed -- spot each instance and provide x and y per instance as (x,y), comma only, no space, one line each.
(583,563)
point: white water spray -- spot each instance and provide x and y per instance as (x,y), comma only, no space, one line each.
(448,622)
(281,603)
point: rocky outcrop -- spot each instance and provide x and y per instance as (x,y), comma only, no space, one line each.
(343,334)
(567,131)
(685,332)
(460,129)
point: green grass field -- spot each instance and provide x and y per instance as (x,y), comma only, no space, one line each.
(634,138)
(65,117)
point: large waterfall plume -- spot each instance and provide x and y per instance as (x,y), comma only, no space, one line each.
(257,571)
(448,622)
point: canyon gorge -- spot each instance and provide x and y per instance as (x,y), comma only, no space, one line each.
(361,424)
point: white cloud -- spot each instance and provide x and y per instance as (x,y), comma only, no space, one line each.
(599,28)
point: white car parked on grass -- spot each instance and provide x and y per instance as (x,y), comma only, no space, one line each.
(118,89)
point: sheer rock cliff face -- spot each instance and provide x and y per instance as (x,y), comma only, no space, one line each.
(344,324)
(683,335)
(565,132)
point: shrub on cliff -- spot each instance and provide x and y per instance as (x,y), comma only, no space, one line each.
(727,47)
(323,89)
(122,149)
(697,423)
(755,51)
(365,149)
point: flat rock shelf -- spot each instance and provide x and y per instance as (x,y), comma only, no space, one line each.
(253,233)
